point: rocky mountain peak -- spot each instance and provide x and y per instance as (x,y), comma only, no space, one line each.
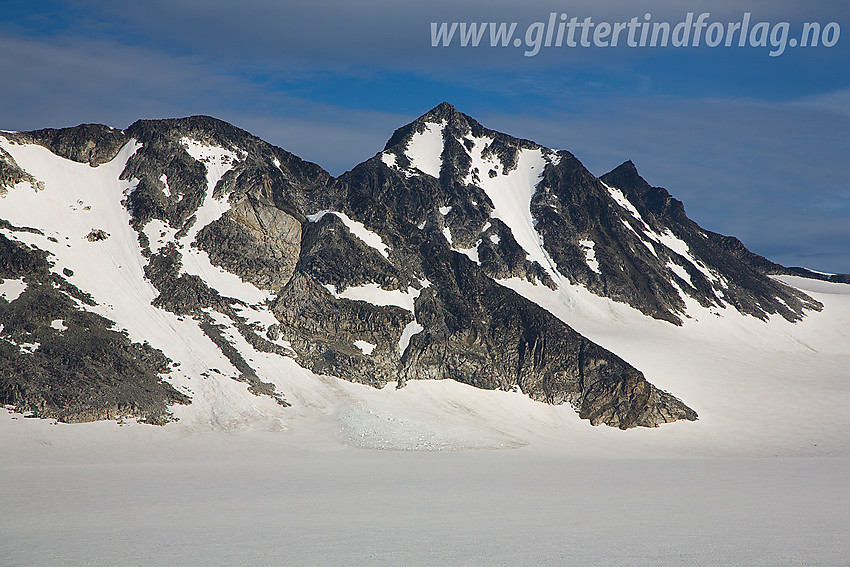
(416,264)
(625,175)
(616,235)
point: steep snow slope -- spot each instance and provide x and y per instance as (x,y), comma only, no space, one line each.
(511,194)
(77,199)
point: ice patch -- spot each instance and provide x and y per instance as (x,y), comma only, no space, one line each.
(365,347)
(445,210)
(388,159)
(374,294)
(681,272)
(12,289)
(590,255)
(411,329)
(58,324)
(358,229)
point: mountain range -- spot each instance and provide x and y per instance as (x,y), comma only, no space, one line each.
(166,264)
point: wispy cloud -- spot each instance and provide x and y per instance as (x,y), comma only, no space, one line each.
(754,146)
(71,81)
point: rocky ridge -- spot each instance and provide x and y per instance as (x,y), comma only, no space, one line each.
(390,272)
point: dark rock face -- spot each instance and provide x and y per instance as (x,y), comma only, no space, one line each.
(11,174)
(256,241)
(634,249)
(93,144)
(85,371)
(741,274)
(486,335)
(323,331)
(806,273)
(293,230)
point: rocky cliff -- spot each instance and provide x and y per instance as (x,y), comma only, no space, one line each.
(394,271)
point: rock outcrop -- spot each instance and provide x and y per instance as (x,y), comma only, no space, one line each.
(392,272)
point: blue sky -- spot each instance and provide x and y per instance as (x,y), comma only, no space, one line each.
(755,146)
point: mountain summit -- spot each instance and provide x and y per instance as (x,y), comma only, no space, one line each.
(178,260)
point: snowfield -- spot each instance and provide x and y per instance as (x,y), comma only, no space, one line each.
(435,473)
(440,474)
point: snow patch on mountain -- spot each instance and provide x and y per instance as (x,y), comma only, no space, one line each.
(358,229)
(511,193)
(620,198)
(672,242)
(11,289)
(159,234)
(590,255)
(165,188)
(664,238)
(410,329)
(28,348)
(197,262)
(262,319)
(365,347)
(374,294)
(680,271)
(471,253)
(447,233)
(425,148)
(112,271)
(217,159)
(388,159)
(218,162)
(220,401)
(821,273)
(677,245)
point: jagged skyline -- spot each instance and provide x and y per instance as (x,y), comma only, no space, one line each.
(754,144)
